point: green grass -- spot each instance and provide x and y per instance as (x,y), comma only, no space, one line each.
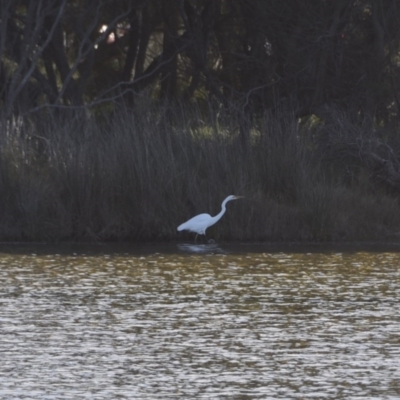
(138,175)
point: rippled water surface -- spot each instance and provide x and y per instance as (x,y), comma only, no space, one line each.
(162,323)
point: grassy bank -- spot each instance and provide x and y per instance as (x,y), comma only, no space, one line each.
(137,176)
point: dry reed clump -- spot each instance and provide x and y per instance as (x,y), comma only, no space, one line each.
(136,176)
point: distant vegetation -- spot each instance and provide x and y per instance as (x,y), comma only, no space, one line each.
(121,119)
(138,175)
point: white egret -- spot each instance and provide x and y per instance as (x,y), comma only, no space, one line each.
(201,222)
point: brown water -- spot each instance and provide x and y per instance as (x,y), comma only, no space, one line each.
(162,323)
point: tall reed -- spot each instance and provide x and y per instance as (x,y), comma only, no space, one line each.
(137,175)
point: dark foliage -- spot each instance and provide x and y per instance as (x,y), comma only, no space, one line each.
(250,54)
(121,117)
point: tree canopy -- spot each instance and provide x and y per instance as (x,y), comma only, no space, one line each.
(253,54)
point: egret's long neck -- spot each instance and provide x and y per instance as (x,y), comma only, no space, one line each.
(222,212)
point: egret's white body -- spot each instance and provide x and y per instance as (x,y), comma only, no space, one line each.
(201,222)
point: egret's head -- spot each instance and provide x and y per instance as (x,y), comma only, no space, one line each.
(232,197)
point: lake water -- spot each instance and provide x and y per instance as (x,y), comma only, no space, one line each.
(239,322)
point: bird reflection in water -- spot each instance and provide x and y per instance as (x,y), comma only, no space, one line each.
(210,247)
